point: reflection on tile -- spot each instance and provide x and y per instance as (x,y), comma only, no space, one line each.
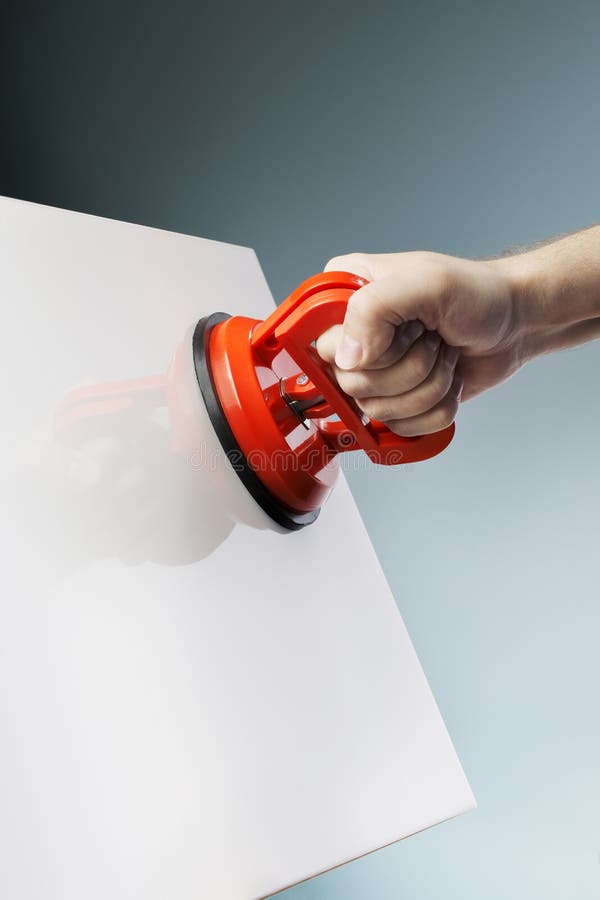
(132,470)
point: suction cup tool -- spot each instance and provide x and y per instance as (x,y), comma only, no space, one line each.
(277,409)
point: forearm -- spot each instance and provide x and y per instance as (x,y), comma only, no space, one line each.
(556,291)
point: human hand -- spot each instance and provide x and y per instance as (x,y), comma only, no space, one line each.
(427,331)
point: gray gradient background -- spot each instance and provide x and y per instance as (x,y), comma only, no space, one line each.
(311,129)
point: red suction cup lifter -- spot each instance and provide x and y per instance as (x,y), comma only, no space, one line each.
(280,415)
(318,304)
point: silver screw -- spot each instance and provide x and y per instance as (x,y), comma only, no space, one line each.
(302,379)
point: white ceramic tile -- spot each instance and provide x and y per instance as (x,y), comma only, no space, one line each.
(193,703)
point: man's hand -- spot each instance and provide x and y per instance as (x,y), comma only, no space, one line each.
(430,330)
(427,329)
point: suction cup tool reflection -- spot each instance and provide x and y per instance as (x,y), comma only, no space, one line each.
(133,470)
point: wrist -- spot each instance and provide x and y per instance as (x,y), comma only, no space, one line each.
(523,282)
(555,292)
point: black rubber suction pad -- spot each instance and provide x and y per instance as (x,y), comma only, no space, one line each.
(271,505)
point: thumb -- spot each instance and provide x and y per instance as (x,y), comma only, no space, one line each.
(402,287)
(366,334)
(374,313)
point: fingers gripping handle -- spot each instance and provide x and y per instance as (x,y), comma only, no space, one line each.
(315,306)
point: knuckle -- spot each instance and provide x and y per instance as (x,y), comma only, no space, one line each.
(439,272)
(350,382)
(416,403)
(366,320)
(438,385)
(368,406)
(326,343)
(377,408)
(420,365)
(357,257)
(430,399)
(367,306)
(425,258)
(365,302)
(444,414)
(424,367)
(349,262)
(399,427)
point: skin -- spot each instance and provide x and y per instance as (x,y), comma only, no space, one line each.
(430,331)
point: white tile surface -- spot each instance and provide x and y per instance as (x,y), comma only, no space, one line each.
(193,704)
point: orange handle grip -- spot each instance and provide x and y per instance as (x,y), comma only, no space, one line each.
(316,305)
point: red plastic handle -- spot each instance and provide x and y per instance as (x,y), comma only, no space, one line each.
(318,304)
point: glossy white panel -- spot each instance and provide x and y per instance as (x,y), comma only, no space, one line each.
(194,704)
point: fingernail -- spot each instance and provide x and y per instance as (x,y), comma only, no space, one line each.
(414,330)
(451,355)
(349,353)
(457,387)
